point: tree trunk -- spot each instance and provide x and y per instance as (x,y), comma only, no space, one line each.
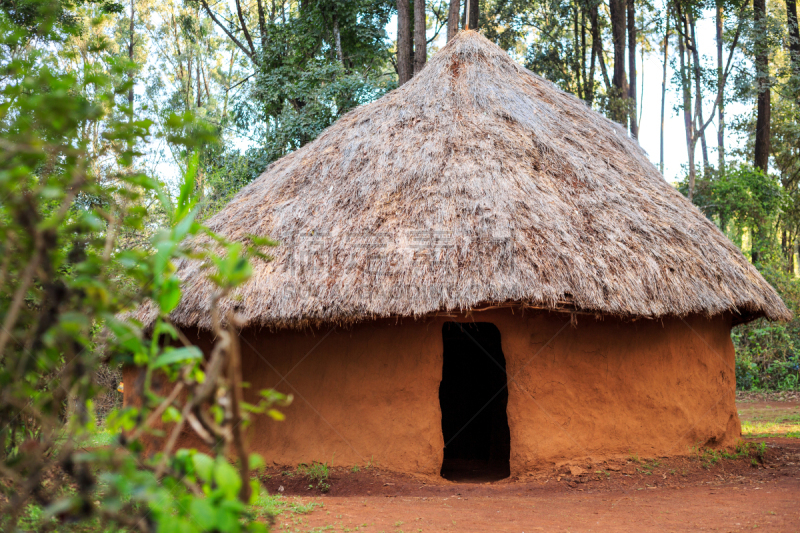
(452,18)
(619,105)
(130,75)
(634,122)
(721,104)
(337,37)
(597,46)
(794,44)
(593,61)
(762,145)
(698,92)
(473,14)
(262,26)
(420,36)
(586,87)
(578,63)
(199,85)
(687,112)
(797,253)
(664,95)
(604,70)
(405,69)
(130,56)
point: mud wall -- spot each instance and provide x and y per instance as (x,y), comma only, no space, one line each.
(606,388)
(586,391)
(369,393)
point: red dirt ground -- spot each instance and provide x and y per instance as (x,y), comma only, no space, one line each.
(675,494)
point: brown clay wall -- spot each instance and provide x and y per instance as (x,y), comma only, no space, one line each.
(594,390)
(370,392)
(607,388)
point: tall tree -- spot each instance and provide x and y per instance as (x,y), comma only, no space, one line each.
(793,38)
(420,36)
(686,93)
(663,94)
(453,16)
(762,141)
(720,14)
(697,72)
(618,12)
(472,13)
(405,67)
(634,122)
(690,76)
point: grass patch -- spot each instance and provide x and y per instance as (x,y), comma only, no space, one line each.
(775,419)
(279,505)
(780,426)
(317,474)
(646,467)
(709,457)
(269,508)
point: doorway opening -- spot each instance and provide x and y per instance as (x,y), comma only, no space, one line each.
(473,396)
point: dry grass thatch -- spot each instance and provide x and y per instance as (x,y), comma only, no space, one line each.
(477,183)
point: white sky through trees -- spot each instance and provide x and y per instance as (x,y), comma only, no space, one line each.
(649,76)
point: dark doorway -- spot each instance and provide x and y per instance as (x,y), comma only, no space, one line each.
(474,395)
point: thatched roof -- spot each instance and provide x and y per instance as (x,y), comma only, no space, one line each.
(477,183)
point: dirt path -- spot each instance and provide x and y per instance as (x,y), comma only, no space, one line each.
(701,493)
(773,507)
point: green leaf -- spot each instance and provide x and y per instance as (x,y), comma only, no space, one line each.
(177,355)
(164,252)
(203,466)
(276,415)
(170,295)
(202,512)
(262,241)
(255,491)
(184,225)
(185,201)
(227,521)
(227,478)
(257,527)
(171,414)
(164,199)
(256,462)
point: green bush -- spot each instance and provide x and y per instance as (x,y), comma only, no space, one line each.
(768,353)
(86,238)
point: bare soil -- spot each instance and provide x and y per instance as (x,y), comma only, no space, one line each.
(702,492)
(769,396)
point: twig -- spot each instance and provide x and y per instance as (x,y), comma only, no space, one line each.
(235,377)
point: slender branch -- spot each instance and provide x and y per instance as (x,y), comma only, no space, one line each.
(721,83)
(235,376)
(19,295)
(224,28)
(244,26)
(155,415)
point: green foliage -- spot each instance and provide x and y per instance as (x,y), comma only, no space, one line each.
(68,280)
(741,199)
(768,353)
(317,474)
(744,200)
(708,457)
(300,85)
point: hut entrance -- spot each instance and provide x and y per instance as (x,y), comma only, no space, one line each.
(473,396)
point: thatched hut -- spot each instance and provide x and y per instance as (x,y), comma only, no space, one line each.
(479,269)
